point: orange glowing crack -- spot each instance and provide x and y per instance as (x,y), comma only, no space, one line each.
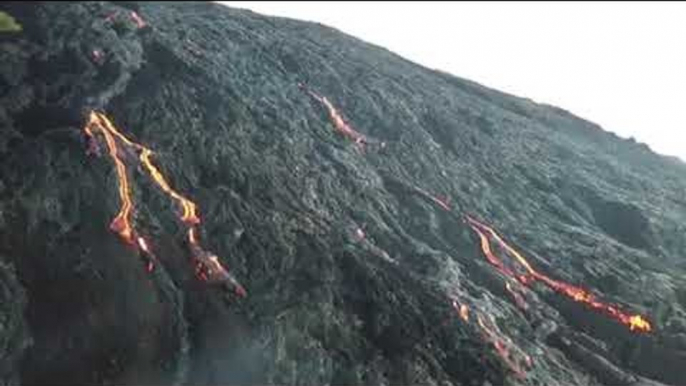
(441,202)
(464,313)
(486,248)
(143,244)
(121,223)
(140,23)
(636,322)
(444,203)
(107,125)
(189,208)
(462,310)
(207,264)
(338,121)
(210,270)
(501,347)
(192,238)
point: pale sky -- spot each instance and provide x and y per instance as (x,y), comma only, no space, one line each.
(621,65)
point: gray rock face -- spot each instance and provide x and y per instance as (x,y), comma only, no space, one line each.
(14,335)
(357,263)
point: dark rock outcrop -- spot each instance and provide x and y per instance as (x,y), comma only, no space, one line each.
(14,334)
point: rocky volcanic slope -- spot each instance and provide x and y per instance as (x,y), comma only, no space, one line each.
(357,271)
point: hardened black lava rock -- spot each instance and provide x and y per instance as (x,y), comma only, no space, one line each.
(349,271)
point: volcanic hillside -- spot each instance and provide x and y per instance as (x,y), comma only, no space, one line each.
(193,194)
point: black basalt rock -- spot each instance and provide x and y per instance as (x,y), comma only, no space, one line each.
(357,260)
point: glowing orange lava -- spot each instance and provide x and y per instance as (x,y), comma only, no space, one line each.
(636,323)
(189,215)
(439,201)
(444,203)
(189,209)
(192,238)
(206,263)
(143,244)
(462,310)
(464,313)
(486,248)
(501,347)
(140,23)
(121,223)
(338,121)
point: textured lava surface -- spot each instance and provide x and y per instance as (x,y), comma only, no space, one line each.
(332,179)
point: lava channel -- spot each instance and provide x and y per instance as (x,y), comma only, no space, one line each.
(503,346)
(635,322)
(121,224)
(444,203)
(338,121)
(207,264)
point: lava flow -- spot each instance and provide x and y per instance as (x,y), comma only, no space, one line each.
(150,264)
(207,264)
(337,118)
(503,346)
(189,215)
(122,221)
(637,323)
(462,310)
(486,248)
(444,203)
(140,23)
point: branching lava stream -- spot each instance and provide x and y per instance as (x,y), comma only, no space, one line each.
(517,270)
(636,323)
(207,265)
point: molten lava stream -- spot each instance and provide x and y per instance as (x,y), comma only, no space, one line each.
(151,258)
(490,336)
(492,258)
(207,264)
(337,118)
(501,347)
(440,201)
(635,322)
(189,215)
(121,224)
(189,208)
(462,310)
